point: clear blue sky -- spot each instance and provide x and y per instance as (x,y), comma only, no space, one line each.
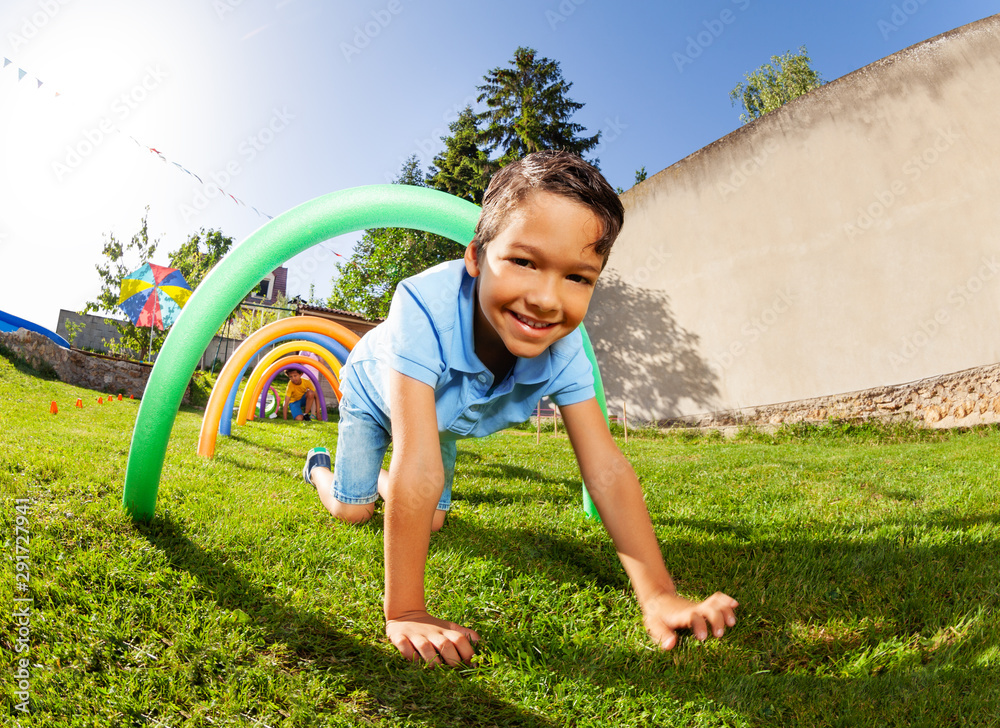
(293,99)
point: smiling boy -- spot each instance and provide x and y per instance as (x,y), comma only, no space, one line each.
(468,348)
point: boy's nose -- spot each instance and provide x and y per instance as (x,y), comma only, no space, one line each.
(544,296)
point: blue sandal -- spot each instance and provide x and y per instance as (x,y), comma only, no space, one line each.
(318,456)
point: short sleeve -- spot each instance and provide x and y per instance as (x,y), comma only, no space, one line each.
(415,347)
(575,382)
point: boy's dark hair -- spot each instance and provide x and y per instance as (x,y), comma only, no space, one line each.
(557,172)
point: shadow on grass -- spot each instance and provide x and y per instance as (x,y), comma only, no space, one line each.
(390,682)
(472,467)
(917,647)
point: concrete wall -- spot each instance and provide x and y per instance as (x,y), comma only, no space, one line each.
(848,240)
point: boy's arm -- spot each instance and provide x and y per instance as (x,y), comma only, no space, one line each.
(615,490)
(416,477)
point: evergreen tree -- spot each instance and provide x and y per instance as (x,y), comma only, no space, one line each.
(528,110)
(463,169)
(774,84)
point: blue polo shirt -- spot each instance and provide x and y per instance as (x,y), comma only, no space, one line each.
(428,336)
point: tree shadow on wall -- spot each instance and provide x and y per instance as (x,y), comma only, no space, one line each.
(646,358)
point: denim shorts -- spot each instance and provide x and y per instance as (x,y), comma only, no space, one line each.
(296,407)
(361,446)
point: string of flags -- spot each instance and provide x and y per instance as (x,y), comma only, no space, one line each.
(158,153)
(22,73)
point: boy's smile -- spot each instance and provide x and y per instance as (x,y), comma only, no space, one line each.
(535,280)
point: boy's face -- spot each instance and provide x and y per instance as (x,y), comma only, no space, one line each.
(536,278)
(295,376)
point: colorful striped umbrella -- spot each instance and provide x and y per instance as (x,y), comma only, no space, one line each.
(153,296)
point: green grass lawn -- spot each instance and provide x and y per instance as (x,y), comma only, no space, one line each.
(866,561)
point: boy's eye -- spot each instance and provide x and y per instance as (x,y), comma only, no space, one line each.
(521,261)
(579,279)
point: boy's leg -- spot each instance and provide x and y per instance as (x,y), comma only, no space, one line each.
(312,403)
(349,490)
(322,478)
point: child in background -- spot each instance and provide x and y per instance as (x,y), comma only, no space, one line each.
(468,348)
(300,397)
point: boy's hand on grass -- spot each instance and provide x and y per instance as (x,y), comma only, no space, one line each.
(419,636)
(667,613)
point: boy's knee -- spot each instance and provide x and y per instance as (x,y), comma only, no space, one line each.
(438,521)
(352,512)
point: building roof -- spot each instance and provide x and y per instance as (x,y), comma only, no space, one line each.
(305,308)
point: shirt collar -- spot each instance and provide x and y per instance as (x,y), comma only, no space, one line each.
(463,348)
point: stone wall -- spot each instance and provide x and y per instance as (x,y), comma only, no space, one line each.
(98,328)
(103,374)
(962,399)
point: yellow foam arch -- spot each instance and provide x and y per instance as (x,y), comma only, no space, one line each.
(255,385)
(245,352)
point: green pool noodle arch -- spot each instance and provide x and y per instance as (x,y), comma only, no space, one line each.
(236,275)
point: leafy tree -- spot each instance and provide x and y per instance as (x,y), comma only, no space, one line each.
(774,84)
(121,258)
(640,176)
(463,169)
(528,109)
(385,256)
(246,320)
(195,264)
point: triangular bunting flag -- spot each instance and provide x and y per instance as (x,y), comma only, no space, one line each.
(21,73)
(6,62)
(39,82)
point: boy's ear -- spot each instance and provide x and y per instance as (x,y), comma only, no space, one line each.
(472,259)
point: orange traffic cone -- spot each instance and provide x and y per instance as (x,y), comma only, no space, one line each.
(119,398)
(100,400)
(79,402)
(53,409)
(131,397)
